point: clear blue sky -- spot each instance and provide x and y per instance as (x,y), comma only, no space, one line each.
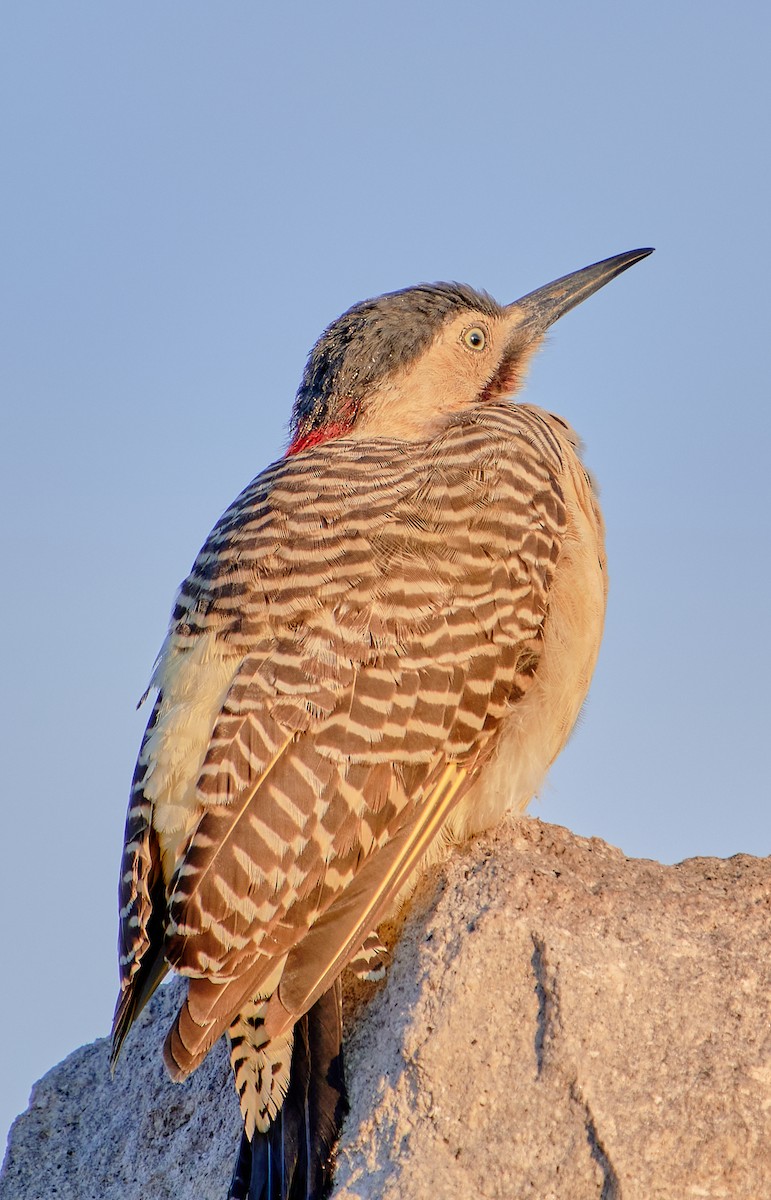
(193,190)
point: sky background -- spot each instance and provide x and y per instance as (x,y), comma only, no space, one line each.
(192,192)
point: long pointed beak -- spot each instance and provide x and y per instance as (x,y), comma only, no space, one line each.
(547,304)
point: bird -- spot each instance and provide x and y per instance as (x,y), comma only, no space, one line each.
(381,648)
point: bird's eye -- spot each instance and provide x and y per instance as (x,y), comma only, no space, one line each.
(475,338)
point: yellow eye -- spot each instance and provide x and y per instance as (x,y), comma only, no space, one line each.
(475,337)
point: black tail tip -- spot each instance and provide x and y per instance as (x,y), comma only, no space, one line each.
(274,1166)
(294,1159)
(266,1171)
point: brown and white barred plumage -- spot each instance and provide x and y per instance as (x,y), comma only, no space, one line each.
(381,641)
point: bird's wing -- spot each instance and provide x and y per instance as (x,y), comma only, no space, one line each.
(394,608)
(313,965)
(141,903)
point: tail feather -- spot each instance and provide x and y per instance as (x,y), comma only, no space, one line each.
(208,1011)
(328,1101)
(293,1159)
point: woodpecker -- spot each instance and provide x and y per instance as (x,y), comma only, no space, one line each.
(382,646)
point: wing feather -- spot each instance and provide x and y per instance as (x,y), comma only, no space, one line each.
(390,610)
(141,902)
(336,936)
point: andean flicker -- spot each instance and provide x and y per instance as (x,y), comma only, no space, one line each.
(383,644)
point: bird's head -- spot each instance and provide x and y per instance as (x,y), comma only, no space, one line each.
(398,365)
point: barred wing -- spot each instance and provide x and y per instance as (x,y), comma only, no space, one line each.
(393,614)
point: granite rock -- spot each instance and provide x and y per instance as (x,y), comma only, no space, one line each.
(559,1021)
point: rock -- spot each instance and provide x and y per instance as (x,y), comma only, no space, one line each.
(86,1136)
(559,1021)
(567,1022)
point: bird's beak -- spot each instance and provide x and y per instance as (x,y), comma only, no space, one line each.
(547,304)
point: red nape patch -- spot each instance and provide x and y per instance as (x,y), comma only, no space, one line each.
(317,437)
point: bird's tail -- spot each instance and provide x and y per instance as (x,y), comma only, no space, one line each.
(293,1159)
